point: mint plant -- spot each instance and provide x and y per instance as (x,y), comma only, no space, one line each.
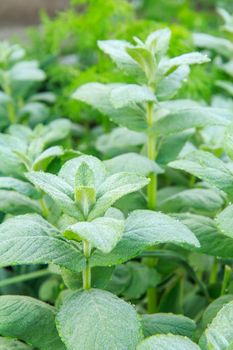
(145,107)
(19,83)
(90,233)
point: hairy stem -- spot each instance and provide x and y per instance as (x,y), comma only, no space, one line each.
(151,201)
(87,270)
(44,209)
(24,277)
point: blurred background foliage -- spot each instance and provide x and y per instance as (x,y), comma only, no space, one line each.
(67,48)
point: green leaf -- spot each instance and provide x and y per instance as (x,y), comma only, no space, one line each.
(102,322)
(98,96)
(168,323)
(170,84)
(116,49)
(158,42)
(184,118)
(224,221)
(208,168)
(69,170)
(45,158)
(102,233)
(219,335)
(118,139)
(129,94)
(132,163)
(167,342)
(29,320)
(226,85)
(187,58)
(212,241)
(228,141)
(58,189)
(213,308)
(199,201)
(115,187)
(144,229)
(10,183)
(15,203)
(221,46)
(144,59)
(26,70)
(29,239)
(12,344)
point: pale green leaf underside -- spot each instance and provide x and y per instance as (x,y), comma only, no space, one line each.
(29,239)
(102,233)
(29,320)
(97,319)
(167,342)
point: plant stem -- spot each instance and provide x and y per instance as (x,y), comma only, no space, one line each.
(24,277)
(151,154)
(45,211)
(10,106)
(151,201)
(226,279)
(87,270)
(214,273)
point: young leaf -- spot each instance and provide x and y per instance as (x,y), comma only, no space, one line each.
(132,162)
(167,342)
(58,189)
(115,187)
(218,335)
(208,168)
(144,229)
(109,322)
(26,70)
(29,239)
(29,320)
(69,170)
(158,42)
(116,49)
(168,323)
(102,233)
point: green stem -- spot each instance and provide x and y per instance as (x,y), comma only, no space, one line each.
(10,105)
(226,279)
(151,201)
(87,270)
(151,154)
(24,277)
(45,211)
(214,273)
